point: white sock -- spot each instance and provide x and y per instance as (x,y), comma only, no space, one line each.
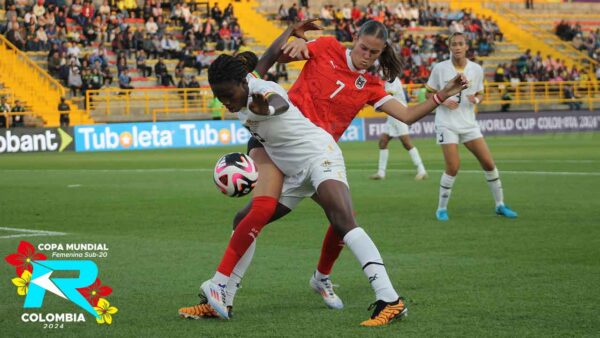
(446,184)
(416,159)
(220,279)
(493,180)
(383,159)
(367,254)
(238,273)
(319,276)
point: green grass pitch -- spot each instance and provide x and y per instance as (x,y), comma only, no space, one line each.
(166,227)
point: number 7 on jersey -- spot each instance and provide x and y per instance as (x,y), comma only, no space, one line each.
(341,86)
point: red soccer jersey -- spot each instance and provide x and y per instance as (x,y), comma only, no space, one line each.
(330,91)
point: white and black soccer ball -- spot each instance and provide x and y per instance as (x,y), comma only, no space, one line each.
(235,174)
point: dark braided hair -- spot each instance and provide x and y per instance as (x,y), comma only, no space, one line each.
(388,60)
(231,68)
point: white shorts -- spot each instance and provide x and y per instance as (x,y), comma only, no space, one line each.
(395,128)
(452,136)
(305,183)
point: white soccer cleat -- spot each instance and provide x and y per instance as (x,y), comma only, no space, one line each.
(217,297)
(421,176)
(377,177)
(325,289)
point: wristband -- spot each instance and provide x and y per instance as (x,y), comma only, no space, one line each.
(437,99)
(477,100)
(271,110)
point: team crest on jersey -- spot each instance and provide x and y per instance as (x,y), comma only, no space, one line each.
(360,82)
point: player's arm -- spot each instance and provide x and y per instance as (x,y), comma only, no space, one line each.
(475,99)
(450,104)
(268,104)
(274,52)
(411,114)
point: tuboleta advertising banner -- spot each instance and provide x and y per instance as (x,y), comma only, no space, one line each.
(26,140)
(165,135)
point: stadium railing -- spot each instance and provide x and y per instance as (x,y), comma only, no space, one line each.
(114,105)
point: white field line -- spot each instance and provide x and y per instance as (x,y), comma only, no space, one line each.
(170,170)
(30,233)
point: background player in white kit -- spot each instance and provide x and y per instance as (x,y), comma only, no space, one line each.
(455,123)
(395,128)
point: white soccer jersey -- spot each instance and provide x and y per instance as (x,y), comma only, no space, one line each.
(394,127)
(463,117)
(291,140)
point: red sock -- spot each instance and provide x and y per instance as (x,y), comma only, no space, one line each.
(332,246)
(263,208)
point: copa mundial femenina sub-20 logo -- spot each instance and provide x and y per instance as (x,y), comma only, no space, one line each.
(34,281)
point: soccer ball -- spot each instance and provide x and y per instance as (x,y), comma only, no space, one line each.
(235,174)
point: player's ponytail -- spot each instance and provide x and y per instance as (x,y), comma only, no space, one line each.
(390,64)
(227,68)
(249,59)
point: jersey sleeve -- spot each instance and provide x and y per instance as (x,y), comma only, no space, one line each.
(378,96)
(262,87)
(432,84)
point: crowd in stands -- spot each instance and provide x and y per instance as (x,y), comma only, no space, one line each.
(79,38)
(532,68)
(588,43)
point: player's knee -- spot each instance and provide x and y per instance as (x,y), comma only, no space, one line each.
(452,170)
(341,221)
(383,143)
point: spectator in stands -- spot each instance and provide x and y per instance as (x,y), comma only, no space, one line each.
(151,26)
(38,9)
(54,64)
(293,13)
(122,65)
(74,78)
(4,108)
(202,61)
(140,63)
(571,97)
(162,73)
(326,15)
(15,36)
(216,13)
(504,107)
(179,69)
(193,84)
(125,80)
(237,37)
(170,47)
(96,79)
(282,13)
(64,110)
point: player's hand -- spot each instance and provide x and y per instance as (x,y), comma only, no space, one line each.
(259,105)
(299,28)
(455,86)
(450,104)
(472,99)
(296,49)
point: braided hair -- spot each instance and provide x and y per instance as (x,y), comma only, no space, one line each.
(389,62)
(231,68)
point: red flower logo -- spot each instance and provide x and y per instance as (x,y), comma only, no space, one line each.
(93,292)
(22,259)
